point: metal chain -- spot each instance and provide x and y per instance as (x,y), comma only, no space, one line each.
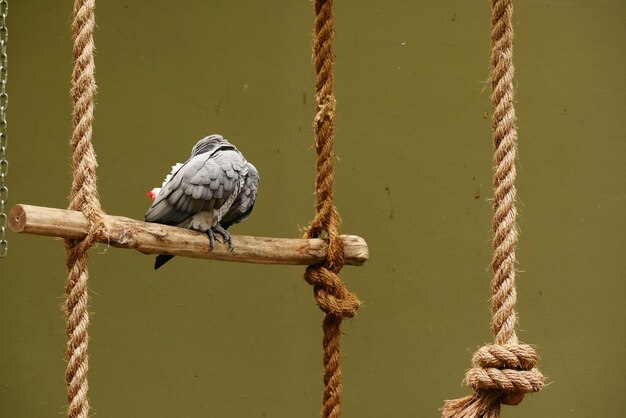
(4,102)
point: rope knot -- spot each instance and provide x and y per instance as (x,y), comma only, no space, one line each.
(501,374)
(97,229)
(508,369)
(331,294)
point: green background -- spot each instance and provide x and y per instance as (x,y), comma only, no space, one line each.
(213,339)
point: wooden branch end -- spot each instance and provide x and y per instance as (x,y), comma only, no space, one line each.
(17,218)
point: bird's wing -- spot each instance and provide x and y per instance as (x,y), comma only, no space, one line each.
(242,206)
(205,182)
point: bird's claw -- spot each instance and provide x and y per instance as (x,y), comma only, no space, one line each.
(221,231)
(227,238)
(211,235)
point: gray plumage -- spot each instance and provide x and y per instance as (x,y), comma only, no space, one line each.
(214,189)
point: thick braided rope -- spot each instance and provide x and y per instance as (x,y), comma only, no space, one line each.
(331,294)
(83,197)
(504,372)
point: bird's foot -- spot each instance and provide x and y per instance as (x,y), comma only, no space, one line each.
(227,238)
(221,231)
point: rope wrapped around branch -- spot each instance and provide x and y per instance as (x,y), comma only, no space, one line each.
(83,197)
(504,372)
(331,294)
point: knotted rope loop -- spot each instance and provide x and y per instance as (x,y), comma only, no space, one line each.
(508,369)
(501,374)
(331,294)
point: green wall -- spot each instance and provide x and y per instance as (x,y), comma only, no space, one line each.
(211,339)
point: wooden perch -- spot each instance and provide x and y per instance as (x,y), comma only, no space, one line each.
(151,238)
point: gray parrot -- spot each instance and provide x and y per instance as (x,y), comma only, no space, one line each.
(214,189)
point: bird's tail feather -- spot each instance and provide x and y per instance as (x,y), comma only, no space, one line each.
(162,259)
